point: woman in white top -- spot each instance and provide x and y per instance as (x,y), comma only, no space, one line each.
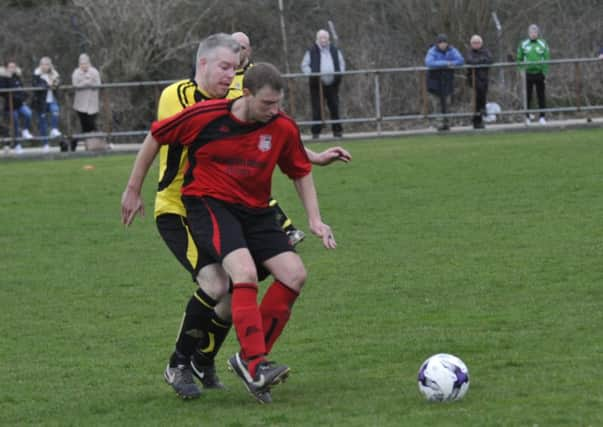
(45,102)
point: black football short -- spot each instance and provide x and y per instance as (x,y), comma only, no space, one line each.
(174,232)
(218,228)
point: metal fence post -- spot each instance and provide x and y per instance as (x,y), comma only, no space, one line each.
(578,86)
(108,113)
(424,95)
(321,95)
(524,92)
(69,102)
(11,120)
(377,103)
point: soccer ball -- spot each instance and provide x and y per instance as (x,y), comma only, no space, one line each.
(443,377)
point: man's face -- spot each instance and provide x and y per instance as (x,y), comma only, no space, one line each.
(217,71)
(11,67)
(476,44)
(533,34)
(245,52)
(443,45)
(84,66)
(264,105)
(323,39)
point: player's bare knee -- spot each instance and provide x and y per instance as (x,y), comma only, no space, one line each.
(245,273)
(296,277)
(213,280)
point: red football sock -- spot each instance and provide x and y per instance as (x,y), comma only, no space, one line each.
(247,321)
(276,309)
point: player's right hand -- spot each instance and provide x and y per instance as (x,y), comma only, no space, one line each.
(131,204)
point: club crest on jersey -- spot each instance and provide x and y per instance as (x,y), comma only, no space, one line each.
(265,143)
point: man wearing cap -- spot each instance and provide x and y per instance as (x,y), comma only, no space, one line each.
(440,59)
(530,53)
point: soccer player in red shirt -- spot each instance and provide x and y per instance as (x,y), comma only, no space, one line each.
(234,147)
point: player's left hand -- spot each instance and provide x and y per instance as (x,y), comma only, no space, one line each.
(323,231)
(332,154)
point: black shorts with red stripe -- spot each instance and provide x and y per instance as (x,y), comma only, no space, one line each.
(219,227)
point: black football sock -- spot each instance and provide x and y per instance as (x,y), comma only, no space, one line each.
(209,346)
(196,322)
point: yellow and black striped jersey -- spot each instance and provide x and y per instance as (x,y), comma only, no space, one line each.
(236,87)
(172,158)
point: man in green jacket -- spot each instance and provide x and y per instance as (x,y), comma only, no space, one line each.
(530,53)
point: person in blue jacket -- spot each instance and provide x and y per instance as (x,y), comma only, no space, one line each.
(440,59)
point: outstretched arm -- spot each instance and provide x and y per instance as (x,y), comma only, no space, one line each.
(307,193)
(328,156)
(131,201)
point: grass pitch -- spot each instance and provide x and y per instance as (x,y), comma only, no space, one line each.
(487,246)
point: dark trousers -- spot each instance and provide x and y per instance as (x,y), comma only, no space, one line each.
(331,95)
(88,122)
(538,81)
(481,93)
(443,101)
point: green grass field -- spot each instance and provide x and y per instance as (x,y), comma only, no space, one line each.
(485,246)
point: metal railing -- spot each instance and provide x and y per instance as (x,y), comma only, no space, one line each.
(375,115)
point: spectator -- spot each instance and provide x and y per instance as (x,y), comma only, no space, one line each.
(236,87)
(11,79)
(440,59)
(326,59)
(45,102)
(530,53)
(86,101)
(478,55)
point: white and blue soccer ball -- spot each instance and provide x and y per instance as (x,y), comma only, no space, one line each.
(443,377)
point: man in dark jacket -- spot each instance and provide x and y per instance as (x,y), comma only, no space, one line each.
(440,59)
(477,78)
(324,58)
(10,78)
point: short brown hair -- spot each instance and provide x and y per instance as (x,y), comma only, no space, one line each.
(260,75)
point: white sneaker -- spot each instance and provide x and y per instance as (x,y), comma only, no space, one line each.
(54,132)
(542,121)
(528,122)
(46,148)
(18,149)
(26,134)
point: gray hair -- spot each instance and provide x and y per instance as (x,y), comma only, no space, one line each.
(476,38)
(209,44)
(321,32)
(535,28)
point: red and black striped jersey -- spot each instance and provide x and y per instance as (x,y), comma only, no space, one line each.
(232,160)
